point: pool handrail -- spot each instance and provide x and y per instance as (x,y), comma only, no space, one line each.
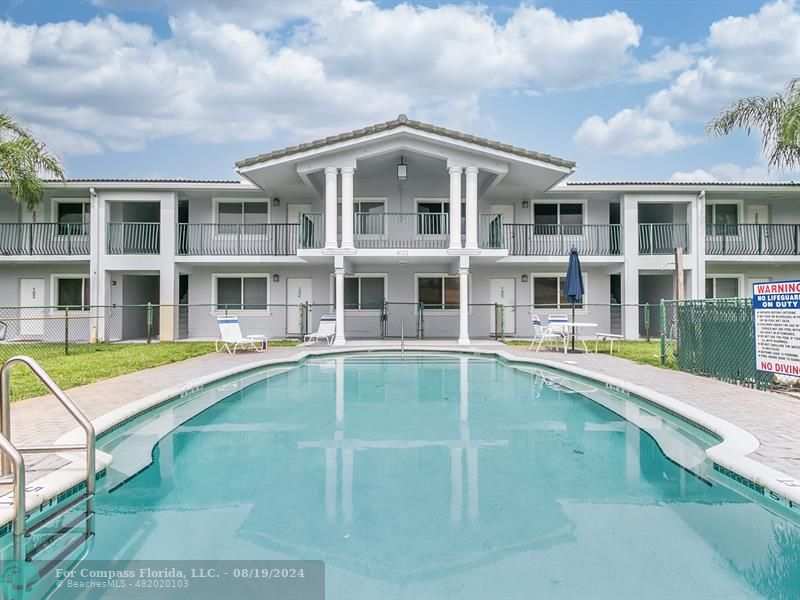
(13,455)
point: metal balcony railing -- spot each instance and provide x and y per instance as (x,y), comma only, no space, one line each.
(214,239)
(752,239)
(555,240)
(401,230)
(133,238)
(663,238)
(44,239)
(312,230)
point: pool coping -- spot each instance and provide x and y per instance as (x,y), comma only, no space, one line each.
(729,457)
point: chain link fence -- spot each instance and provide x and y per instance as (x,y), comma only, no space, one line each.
(713,338)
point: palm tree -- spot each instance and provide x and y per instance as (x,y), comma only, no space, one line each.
(778,120)
(24,162)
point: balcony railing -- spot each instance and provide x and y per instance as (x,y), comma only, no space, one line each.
(752,239)
(401,230)
(44,239)
(132,238)
(663,238)
(312,230)
(214,239)
(553,240)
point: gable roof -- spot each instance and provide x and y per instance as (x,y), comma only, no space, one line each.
(403,121)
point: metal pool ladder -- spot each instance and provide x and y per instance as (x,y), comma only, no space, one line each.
(13,469)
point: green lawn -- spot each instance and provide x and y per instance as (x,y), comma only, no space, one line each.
(647,353)
(92,362)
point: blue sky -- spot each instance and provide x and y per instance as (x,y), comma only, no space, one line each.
(175,88)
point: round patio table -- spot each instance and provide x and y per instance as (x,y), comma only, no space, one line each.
(575,327)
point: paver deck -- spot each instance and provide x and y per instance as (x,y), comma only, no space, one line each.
(773,418)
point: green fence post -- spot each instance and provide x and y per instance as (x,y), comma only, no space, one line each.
(647,320)
(149,322)
(66,330)
(663,310)
(304,319)
(421,323)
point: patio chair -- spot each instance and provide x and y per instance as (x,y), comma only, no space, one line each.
(541,334)
(326,331)
(231,338)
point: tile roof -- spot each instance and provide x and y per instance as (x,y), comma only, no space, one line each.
(404,121)
(690,183)
(113,180)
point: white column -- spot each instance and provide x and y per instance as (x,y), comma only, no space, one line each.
(97,274)
(340,339)
(463,371)
(455,207)
(330,207)
(463,306)
(699,249)
(472,207)
(630,273)
(347,207)
(168,281)
(473,500)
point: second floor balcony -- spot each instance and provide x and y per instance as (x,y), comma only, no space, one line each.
(133,238)
(522,239)
(663,238)
(401,230)
(44,239)
(752,239)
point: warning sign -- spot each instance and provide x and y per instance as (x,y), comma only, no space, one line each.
(777,320)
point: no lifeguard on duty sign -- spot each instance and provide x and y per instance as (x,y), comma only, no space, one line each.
(776,305)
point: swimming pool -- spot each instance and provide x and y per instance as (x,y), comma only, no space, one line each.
(440,476)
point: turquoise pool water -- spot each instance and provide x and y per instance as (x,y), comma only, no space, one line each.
(442,477)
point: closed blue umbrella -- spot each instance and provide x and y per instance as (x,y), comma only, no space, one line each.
(573,286)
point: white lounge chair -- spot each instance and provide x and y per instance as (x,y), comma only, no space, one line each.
(326,331)
(231,338)
(541,334)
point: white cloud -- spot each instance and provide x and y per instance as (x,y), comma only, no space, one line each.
(742,56)
(630,132)
(225,74)
(752,55)
(665,63)
(732,172)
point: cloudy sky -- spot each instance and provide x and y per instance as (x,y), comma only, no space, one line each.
(182,88)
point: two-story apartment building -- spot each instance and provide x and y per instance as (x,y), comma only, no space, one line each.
(377,225)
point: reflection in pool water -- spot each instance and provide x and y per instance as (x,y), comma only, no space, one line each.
(444,477)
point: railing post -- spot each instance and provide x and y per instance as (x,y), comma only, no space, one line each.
(149,322)
(239,241)
(30,238)
(797,239)
(760,238)
(66,331)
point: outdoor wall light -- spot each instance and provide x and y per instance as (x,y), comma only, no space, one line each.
(402,170)
(524,279)
(276,202)
(276,278)
(524,204)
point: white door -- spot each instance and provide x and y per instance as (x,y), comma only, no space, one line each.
(298,291)
(503,291)
(31,301)
(758,213)
(293,212)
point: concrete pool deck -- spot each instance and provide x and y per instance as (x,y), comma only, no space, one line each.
(771,417)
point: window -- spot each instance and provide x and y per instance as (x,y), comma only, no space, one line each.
(548,292)
(548,216)
(72,293)
(252,214)
(721,219)
(439,291)
(364,292)
(242,292)
(432,217)
(73,217)
(722,287)
(368,216)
